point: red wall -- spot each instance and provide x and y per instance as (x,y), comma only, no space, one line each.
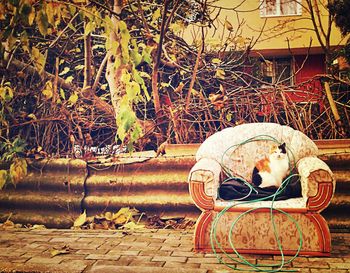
(311,88)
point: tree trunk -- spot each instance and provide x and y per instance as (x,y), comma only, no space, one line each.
(113,73)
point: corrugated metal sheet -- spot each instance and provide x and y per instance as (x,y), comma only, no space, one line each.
(56,190)
(153,185)
(51,193)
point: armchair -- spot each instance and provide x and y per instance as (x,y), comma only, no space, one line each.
(254,233)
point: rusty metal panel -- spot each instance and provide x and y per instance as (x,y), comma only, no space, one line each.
(51,193)
(56,190)
(155,186)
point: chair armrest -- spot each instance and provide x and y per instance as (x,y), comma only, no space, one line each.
(317,183)
(204,180)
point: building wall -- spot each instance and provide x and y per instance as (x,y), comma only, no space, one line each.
(276,32)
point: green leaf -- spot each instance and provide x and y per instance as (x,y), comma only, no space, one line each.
(42,22)
(70,25)
(136,57)
(90,27)
(146,54)
(133,90)
(141,82)
(124,41)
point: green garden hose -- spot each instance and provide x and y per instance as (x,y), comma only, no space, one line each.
(215,244)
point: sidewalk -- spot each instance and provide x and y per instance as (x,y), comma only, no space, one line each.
(163,251)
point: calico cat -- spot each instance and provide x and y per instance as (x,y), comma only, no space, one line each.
(270,171)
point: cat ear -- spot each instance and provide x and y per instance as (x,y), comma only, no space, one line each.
(283,148)
(273,148)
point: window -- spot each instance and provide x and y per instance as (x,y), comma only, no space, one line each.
(278,70)
(280,7)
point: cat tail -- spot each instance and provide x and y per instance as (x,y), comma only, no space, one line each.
(256,178)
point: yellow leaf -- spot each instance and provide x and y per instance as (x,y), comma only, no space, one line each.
(50,11)
(80,220)
(32,116)
(108,215)
(220,74)
(31,17)
(2,11)
(228,26)
(18,169)
(79,1)
(42,22)
(64,250)
(132,226)
(48,90)
(39,59)
(3,178)
(73,98)
(65,71)
(216,61)
(177,27)
(38,227)
(156,15)
(69,79)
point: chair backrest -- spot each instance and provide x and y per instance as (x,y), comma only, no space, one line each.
(239,148)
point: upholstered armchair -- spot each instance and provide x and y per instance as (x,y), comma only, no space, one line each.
(254,232)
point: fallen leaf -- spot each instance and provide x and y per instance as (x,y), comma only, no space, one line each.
(38,227)
(80,220)
(132,226)
(58,251)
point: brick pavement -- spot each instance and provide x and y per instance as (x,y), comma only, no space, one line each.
(25,250)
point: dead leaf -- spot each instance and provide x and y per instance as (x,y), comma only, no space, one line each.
(132,226)
(38,227)
(58,251)
(80,220)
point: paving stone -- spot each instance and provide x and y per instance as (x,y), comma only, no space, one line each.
(180,265)
(45,260)
(310,264)
(141,269)
(331,270)
(180,253)
(203,260)
(169,259)
(28,267)
(102,257)
(148,252)
(123,252)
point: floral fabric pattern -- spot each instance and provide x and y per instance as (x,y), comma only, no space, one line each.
(255,231)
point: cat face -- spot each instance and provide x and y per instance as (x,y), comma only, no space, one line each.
(278,152)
